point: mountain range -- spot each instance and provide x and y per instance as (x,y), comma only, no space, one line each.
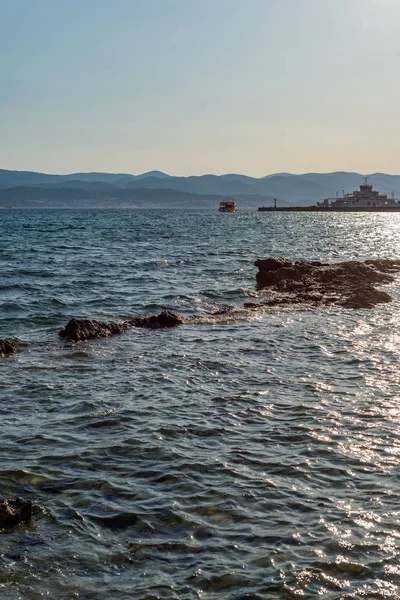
(157,189)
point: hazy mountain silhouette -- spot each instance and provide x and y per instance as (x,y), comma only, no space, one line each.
(277,174)
(33,178)
(70,197)
(286,187)
(158,174)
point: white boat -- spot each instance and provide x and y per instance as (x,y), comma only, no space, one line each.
(227,206)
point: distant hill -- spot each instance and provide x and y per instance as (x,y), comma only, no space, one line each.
(71,197)
(158,174)
(277,174)
(288,188)
(311,187)
(8,178)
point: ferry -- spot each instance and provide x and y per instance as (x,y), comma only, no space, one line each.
(365,199)
(227,206)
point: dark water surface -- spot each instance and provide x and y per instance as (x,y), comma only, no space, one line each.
(258,459)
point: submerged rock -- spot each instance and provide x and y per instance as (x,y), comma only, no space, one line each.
(14,511)
(349,284)
(7,347)
(79,330)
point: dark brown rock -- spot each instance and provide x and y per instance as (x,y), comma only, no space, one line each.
(365,298)
(80,330)
(349,284)
(163,320)
(272,264)
(14,511)
(313,284)
(7,347)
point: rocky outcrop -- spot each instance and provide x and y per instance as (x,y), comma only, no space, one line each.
(348,284)
(79,330)
(14,511)
(313,284)
(164,319)
(7,347)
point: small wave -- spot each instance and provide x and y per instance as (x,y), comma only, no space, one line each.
(120,520)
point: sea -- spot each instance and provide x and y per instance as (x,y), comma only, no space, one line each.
(256,458)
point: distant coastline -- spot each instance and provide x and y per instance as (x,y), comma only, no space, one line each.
(26,189)
(314,209)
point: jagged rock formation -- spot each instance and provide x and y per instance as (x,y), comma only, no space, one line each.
(79,330)
(313,284)
(7,347)
(348,284)
(14,511)
(164,319)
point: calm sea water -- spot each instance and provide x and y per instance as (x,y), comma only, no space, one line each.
(258,459)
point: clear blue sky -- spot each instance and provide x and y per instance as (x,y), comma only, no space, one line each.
(200,86)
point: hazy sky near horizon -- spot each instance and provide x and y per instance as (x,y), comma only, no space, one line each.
(200,86)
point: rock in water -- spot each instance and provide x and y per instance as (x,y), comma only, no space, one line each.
(273,264)
(79,330)
(164,319)
(349,284)
(7,347)
(14,511)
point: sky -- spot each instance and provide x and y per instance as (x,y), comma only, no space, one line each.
(200,86)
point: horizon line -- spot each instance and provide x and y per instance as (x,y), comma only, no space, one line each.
(124,174)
